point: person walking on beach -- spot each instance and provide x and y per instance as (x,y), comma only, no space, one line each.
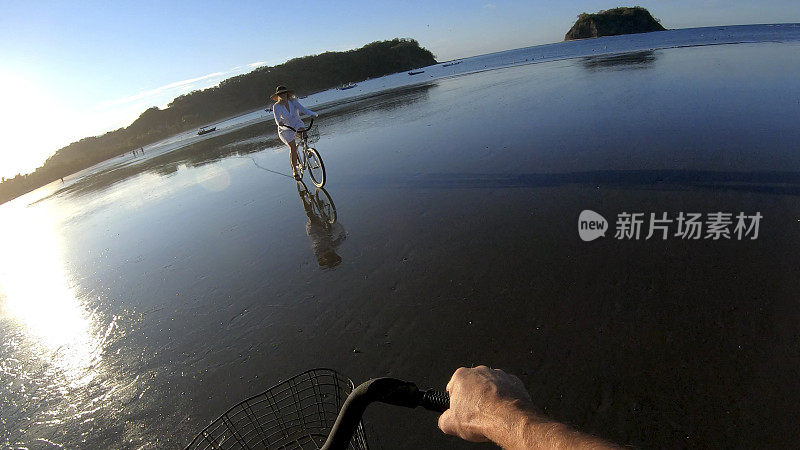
(287,112)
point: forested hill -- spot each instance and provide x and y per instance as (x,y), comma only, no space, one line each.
(611,22)
(235,95)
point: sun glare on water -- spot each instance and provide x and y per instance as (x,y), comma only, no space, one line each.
(36,291)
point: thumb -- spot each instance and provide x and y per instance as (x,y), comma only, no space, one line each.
(446,423)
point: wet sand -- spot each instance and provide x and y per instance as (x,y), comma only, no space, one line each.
(197,281)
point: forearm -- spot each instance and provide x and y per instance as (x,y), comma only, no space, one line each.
(489,404)
(305,110)
(517,426)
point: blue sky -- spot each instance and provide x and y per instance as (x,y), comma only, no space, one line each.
(74,69)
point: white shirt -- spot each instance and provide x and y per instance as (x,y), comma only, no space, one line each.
(291,115)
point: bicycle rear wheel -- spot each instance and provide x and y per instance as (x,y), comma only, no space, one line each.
(295,414)
(315,167)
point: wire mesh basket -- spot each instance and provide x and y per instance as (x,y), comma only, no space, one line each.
(295,414)
(312,134)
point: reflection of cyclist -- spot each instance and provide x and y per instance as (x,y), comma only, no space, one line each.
(491,405)
(287,111)
(325,236)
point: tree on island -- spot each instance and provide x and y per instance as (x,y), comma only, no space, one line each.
(231,97)
(611,22)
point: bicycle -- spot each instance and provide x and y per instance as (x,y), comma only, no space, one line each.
(309,157)
(301,413)
(320,203)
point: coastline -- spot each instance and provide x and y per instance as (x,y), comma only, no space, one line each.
(200,262)
(675,38)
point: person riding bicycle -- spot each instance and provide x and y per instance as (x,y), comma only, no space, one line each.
(492,405)
(287,112)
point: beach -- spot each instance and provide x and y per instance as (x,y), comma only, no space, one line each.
(143,299)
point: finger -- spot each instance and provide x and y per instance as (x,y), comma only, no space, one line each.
(516,380)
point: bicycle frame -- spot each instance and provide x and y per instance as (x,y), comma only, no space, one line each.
(302,139)
(308,158)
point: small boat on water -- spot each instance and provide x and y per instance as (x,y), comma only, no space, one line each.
(451,64)
(348,86)
(416,73)
(204,130)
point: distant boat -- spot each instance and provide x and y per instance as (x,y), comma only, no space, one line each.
(204,130)
(416,73)
(451,64)
(348,86)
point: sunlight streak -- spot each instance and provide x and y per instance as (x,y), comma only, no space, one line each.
(36,291)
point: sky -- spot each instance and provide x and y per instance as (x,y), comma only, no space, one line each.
(69,70)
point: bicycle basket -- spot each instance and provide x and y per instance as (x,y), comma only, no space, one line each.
(295,414)
(313,134)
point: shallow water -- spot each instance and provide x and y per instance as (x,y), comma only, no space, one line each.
(140,301)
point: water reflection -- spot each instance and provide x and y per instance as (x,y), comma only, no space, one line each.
(245,141)
(250,139)
(325,231)
(770,182)
(385,102)
(626,61)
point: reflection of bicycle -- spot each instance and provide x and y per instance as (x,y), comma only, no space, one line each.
(322,228)
(301,413)
(320,203)
(308,157)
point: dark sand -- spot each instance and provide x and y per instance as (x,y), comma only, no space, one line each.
(459,201)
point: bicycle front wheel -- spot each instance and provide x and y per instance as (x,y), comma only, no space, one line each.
(327,210)
(315,167)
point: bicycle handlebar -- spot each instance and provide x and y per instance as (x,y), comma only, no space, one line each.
(385,390)
(306,129)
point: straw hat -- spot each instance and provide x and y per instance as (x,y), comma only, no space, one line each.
(281,90)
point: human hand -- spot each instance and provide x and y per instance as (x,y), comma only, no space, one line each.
(481,401)
(491,405)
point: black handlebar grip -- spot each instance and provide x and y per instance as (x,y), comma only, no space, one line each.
(386,390)
(435,400)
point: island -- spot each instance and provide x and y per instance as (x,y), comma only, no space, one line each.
(612,22)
